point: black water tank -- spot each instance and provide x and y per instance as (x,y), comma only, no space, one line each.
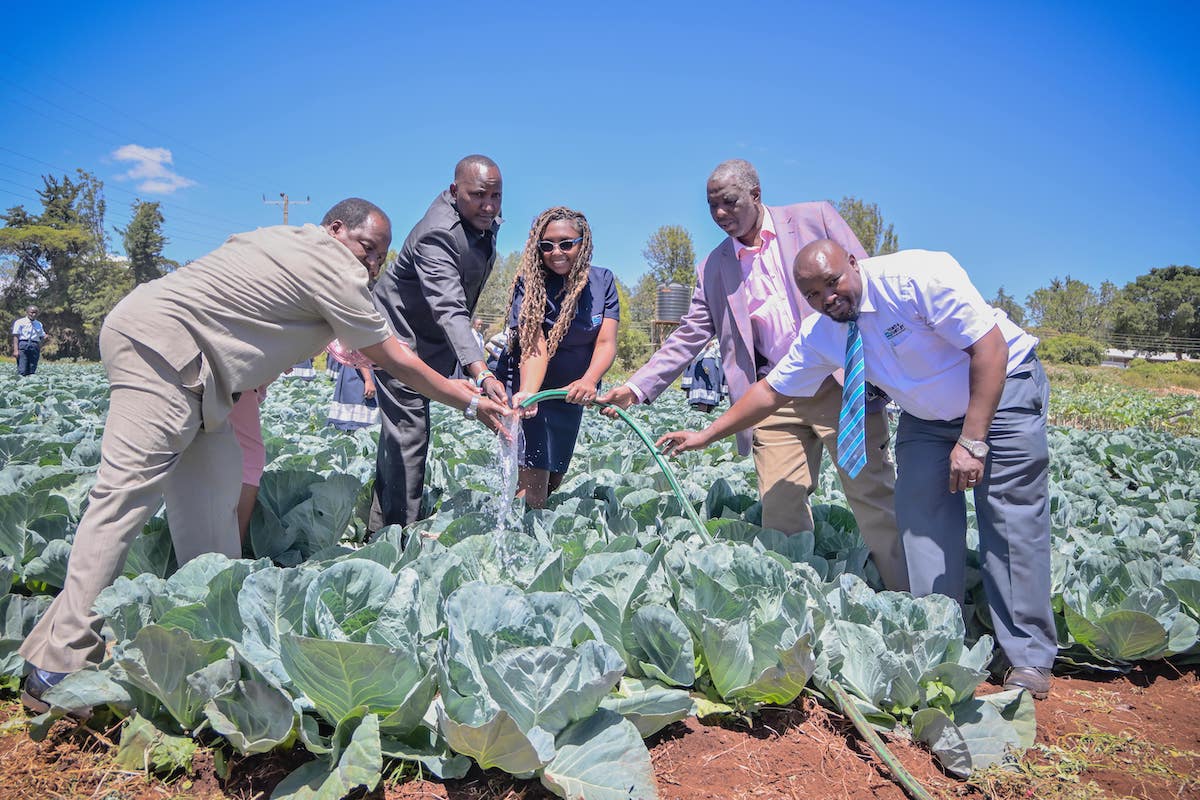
(671,302)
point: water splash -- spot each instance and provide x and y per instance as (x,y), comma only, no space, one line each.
(508,455)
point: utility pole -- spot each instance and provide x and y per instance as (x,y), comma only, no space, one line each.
(285,202)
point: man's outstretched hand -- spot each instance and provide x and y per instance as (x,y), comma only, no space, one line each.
(494,389)
(495,416)
(620,396)
(676,442)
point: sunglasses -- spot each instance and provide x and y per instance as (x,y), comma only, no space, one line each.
(565,245)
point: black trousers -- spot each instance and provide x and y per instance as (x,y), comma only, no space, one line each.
(403,449)
(27,358)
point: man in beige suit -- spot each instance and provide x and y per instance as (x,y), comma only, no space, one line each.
(178,351)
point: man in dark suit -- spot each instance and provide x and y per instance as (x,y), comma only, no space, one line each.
(428,295)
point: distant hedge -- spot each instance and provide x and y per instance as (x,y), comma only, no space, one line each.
(1070,348)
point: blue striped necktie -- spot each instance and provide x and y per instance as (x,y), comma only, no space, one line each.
(852,423)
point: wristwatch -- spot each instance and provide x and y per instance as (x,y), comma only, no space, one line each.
(472,407)
(975,447)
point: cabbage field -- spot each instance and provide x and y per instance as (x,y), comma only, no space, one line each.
(549,644)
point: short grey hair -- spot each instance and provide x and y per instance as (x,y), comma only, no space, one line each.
(738,170)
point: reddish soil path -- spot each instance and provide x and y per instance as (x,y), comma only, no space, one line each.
(1134,736)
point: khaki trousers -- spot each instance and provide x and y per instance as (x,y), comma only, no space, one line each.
(787,455)
(153,447)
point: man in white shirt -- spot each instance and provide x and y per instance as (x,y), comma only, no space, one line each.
(27,336)
(974,398)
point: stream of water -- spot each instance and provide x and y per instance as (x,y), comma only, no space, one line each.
(508,454)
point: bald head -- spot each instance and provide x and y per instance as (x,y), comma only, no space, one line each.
(471,165)
(816,257)
(828,279)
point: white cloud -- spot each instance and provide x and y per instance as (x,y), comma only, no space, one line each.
(152,168)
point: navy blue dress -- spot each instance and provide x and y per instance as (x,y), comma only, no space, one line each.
(550,435)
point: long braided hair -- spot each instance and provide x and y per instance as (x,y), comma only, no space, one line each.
(532,272)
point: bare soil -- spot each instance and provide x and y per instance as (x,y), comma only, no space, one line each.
(1099,738)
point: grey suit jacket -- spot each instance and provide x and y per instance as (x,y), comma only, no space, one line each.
(429,292)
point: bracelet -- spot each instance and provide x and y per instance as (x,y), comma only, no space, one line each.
(483,376)
(472,407)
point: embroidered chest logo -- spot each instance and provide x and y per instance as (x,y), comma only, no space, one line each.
(894,331)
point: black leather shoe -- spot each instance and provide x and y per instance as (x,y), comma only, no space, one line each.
(1035,680)
(38,682)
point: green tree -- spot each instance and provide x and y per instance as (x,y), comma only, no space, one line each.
(57,260)
(633,344)
(671,257)
(1163,302)
(1009,305)
(144,241)
(492,307)
(642,300)
(1072,306)
(1071,348)
(866,220)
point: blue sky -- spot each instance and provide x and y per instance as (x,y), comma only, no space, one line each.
(1030,140)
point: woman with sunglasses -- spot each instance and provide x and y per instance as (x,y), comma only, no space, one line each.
(563,313)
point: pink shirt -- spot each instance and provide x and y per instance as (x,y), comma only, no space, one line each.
(774,317)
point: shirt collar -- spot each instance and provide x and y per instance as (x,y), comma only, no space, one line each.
(866,304)
(767,233)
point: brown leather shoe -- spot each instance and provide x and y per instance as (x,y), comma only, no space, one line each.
(1035,680)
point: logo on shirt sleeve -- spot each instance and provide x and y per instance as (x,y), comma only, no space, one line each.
(596,319)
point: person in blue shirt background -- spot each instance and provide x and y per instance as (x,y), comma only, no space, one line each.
(563,314)
(27,336)
(704,379)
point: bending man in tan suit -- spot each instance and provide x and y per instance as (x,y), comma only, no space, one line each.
(178,350)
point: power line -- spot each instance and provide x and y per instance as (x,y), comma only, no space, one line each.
(227,175)
(166,203)
(18,194)
(189,230)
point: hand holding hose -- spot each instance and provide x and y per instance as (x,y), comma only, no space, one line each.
(621,397)
(580,392)
(525,412)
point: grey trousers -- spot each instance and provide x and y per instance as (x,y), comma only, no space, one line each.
(153,447)
(1012,506)
(403,449)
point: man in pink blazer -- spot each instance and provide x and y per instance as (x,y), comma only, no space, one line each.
(747,298)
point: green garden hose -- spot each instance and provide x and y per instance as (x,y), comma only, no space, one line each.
(911,785)
(558,394)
